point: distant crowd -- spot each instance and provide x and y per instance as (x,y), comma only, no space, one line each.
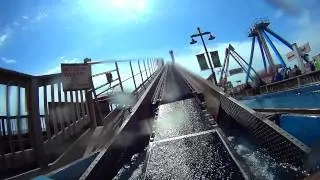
(286,72)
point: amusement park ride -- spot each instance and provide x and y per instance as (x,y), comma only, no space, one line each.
(261,31)
(244,67)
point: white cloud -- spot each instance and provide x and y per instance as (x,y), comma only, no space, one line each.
(8,61)
(4,35)
(25,17)
(39,17)
(15,23)
(3,38)
(61,59)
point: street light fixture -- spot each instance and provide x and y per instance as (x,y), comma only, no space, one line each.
(193,41)
(211,37)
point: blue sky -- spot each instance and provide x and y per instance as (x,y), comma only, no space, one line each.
(36,36)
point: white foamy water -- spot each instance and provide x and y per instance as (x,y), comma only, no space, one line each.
(261,165)
(258,164)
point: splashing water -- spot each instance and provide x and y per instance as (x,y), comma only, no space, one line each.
(133,169)
(260,165)
(257,162)
(123,99)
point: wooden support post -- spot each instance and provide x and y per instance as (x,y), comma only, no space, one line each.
(72,112)
(46,112)
(91,111)
(2,148)
(82,104)
(34,123)
(62,117)
(77,106)
(8,122)
(53,114)
(19,127)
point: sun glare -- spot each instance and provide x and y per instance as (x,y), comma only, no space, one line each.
(119,10)
(129,5)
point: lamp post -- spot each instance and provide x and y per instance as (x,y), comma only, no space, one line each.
(211,37)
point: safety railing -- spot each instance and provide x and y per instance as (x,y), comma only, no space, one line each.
(294,82)
(36,115)
(121,84)
(63,114)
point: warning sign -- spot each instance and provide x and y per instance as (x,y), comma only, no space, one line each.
(76,76)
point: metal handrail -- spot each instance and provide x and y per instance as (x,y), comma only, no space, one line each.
(134,75)
(105,84)
(103,73)
(127,79)
(108,89)
(113,61)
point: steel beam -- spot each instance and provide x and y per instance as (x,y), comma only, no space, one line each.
(266,49)
(224,64)
(251,57)
(274,49)
(241,65)
(279,38)
(262,54)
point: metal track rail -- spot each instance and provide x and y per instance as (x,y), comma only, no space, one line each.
(160,87)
